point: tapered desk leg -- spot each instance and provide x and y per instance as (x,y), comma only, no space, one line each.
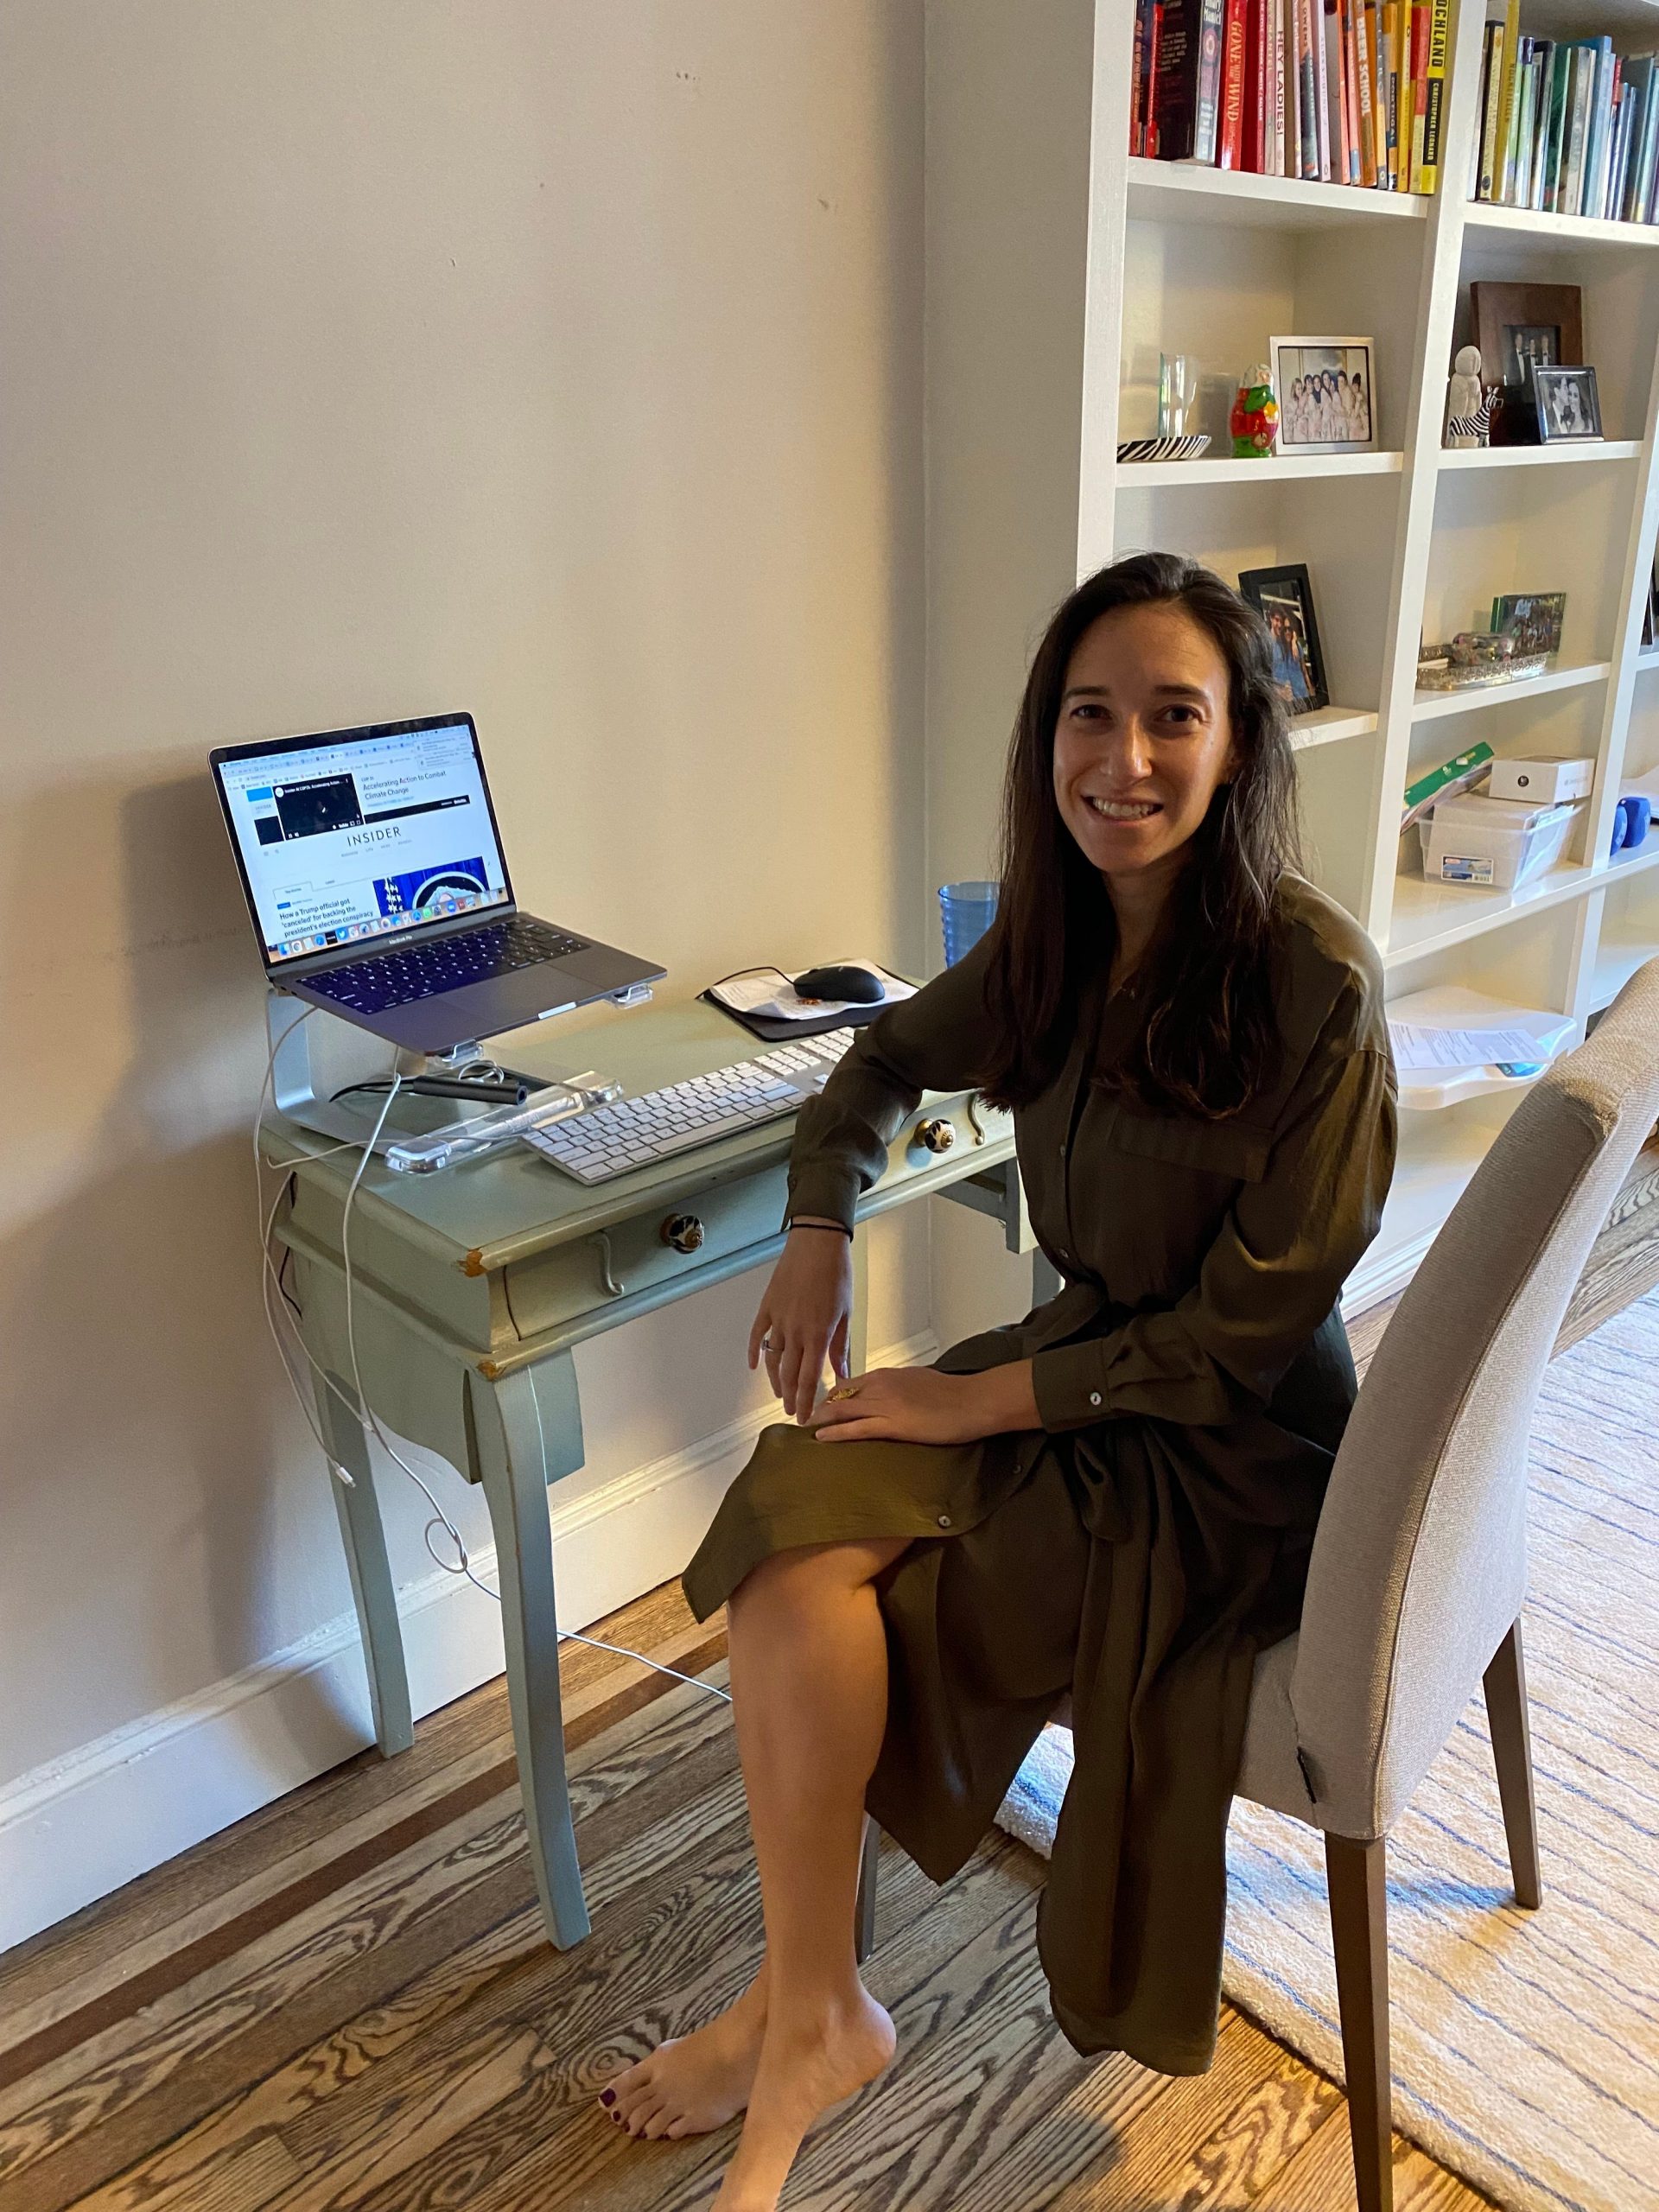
(365,1539)
(858,1324)
(515,1475)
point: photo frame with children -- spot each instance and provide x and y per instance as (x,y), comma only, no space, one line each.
(1326,389)
(1283,598)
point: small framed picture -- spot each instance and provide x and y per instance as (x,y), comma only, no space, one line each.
(1326,389)
(1516,325)
(1533,620)
(1568,407)
(1284,600)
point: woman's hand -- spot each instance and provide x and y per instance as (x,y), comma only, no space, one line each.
(804,1315)
(918,1405)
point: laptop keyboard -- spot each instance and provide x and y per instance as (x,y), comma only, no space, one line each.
(385,979)
(611,1141)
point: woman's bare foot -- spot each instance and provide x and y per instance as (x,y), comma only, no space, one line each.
(803,2071)
(691,2084)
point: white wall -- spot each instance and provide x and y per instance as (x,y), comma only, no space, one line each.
(366,357)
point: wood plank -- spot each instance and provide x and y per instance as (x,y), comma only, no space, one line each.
(64,1985)
(699,1940)
(463,2067)
(146,2082)
(1623,1263)
(1320,2179)
(566,2153)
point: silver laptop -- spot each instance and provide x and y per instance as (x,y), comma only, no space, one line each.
(374,874)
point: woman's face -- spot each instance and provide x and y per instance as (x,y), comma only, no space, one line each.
(1144,737)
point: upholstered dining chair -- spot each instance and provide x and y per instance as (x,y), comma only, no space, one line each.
(1419,1563)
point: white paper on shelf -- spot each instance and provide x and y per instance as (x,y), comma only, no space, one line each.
(1416,1047)
(769,992)
(1449,1026)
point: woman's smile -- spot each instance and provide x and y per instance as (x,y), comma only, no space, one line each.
(1122,809)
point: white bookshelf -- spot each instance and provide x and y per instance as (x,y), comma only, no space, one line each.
(1043,339)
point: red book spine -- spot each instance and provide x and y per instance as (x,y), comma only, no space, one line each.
(1137,83)
(1154,40)
(1230,152)
(1254,81)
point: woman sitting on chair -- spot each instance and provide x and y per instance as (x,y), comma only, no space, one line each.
(1114,1499)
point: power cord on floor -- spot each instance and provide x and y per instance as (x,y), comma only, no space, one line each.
(362,1412)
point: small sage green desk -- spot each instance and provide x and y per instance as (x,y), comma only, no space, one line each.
(469,1289)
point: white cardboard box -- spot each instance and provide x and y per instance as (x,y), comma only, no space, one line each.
(1542,783)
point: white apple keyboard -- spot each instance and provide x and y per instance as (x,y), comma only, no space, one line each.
(614,1140)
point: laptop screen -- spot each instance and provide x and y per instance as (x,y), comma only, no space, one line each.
(356,835)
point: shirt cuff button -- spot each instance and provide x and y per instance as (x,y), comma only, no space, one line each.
(1094,1397)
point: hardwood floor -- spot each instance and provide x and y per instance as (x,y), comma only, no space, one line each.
(346,2004)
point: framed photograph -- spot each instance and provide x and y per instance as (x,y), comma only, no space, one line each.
(1533,620)
(1568,408)
(1516,325)
(1284,600)
(1326,389)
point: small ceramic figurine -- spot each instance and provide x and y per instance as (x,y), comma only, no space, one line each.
(1468,407)
(1254,419)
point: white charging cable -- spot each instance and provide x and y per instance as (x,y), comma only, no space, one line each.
(363,1413)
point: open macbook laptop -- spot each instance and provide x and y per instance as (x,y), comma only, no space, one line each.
(375,876)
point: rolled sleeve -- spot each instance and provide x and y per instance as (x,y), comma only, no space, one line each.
(1273,1274)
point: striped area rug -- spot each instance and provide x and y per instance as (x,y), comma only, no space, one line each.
(1526,2045)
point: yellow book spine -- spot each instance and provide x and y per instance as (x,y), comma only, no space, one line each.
(1503,150)
(1434,95)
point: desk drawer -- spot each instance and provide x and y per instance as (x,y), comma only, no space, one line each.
(569,1280)
(592,1272)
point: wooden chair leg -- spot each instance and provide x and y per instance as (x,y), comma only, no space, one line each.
(1359,1931)
(1506,1712)
(864,1916)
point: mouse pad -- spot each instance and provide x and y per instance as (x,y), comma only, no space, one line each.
(771,1030)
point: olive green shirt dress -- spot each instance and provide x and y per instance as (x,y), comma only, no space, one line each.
(1192,1377)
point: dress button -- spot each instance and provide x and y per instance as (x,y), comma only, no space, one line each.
(1094,1397)
(944,1520)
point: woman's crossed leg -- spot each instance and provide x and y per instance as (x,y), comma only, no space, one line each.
(808,1670)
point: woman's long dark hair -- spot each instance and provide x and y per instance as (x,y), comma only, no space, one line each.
(1209,1040)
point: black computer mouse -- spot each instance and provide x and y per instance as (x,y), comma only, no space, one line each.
(855,985)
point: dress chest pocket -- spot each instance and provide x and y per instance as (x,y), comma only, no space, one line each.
(1226,1149)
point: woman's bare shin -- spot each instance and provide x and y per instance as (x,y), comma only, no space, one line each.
(809,1662)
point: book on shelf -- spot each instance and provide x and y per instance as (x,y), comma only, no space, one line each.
(1230,150)
(1344,91)
(1566,127)
(1206,125)
(1439,15)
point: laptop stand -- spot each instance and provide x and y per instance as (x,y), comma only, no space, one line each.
(331,1078)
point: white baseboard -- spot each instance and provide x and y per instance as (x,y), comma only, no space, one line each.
(1378,1277)
(75,1829)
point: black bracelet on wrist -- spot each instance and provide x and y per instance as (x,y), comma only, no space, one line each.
(836,1228)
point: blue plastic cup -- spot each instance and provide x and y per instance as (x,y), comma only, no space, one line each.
(1639,810)
(967,911)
